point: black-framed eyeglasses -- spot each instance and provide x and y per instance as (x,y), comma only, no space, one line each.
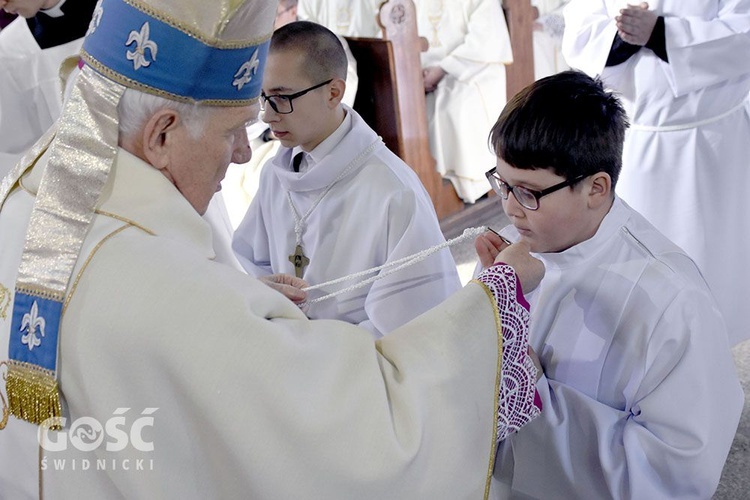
(282,103)
(527,198)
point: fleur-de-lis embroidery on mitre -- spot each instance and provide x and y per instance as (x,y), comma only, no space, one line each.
(142,43)
(246,72)
(31,321)
(96,18)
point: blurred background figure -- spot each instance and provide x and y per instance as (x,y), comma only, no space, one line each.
(682,69)
(32,48)
(343,17)
(464,79)
(547,38)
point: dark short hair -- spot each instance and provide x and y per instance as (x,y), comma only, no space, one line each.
(325,54)
(566,122)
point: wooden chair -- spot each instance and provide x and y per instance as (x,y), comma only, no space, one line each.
(520,16)
(390,96)
(391,99)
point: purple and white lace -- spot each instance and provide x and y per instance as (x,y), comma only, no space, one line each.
(519,402)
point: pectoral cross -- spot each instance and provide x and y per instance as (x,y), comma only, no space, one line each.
(299,261)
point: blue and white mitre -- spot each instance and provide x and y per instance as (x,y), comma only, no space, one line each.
(206,52)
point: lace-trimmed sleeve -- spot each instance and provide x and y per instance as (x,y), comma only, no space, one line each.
(518,401)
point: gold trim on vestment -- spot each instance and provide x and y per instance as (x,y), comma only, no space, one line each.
(496,402)
(97,211)
(33,393)
(4,301)
(126,221)
(85,265)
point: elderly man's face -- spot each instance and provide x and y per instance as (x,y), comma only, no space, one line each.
(26,8)
(197,165)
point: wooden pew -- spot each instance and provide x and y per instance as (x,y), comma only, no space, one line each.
(390,96)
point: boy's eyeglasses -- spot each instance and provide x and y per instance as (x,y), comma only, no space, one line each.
(527,198)
(282,103)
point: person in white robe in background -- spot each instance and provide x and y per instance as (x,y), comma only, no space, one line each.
(683,71)
(547,38)
(362,206)
(192,379)
(641,397)
(32,48)
(343,17)
(464,78)
(241,182)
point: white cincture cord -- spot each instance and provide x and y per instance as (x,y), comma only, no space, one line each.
(396,265)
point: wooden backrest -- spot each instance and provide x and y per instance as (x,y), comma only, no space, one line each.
(520,16)
(390,96)
(377,92)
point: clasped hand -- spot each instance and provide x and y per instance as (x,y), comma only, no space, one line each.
(636,23)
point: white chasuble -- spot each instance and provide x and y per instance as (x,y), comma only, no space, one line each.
(469,40)
(378,212)
(203,382)
(685,163)
(641,397)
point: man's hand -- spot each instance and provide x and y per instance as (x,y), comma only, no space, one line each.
(432,76)
(290,286)
(488,245)
(529,270)
(636,23)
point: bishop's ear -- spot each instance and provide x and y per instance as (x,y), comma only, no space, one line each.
(158,137)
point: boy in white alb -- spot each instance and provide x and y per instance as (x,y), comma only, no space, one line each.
(640,392)
(334,200)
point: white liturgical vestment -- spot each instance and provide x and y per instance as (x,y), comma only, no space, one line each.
(641,398)
(469,40)
(376,212)
(686,162)
(343,17)
(184,378)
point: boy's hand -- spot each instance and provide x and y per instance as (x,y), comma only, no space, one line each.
(488,245)
(289,286)
(529,270)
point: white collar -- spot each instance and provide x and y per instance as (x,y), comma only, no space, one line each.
(328,144)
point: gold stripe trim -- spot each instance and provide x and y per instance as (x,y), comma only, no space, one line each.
(20,184)
(126,221)
(121,79)
(102,212)
(74,286)
(495,403)
(42,293)
(211,42)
